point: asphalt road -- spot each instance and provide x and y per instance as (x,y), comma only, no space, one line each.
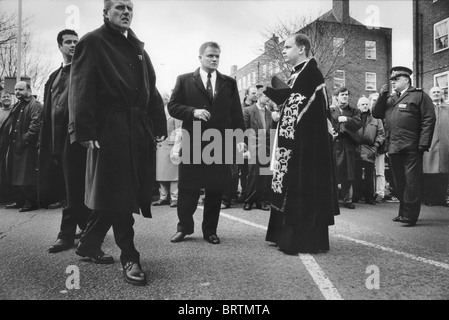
(371,258)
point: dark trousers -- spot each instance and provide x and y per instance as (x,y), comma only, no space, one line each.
(98,225)
(365,181)
(407,175)
(74,169)
(231,184)
(187,204)
(258,185)
(347,191)
(435,188)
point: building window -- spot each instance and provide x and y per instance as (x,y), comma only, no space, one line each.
(254,77)
(270,68)
(264,71)
(239,84)
(370,50)
(339,79)
(244,82)
(440,35)
(278,67)
(339,47)
(441,80)
(370,81)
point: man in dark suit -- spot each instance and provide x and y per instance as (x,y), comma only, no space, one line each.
(204,99)
(117,113)
(409,124)
(62,166)
(259,121)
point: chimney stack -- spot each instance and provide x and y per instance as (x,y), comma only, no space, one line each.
(340,9)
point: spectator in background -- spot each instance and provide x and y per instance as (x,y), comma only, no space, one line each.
(370,137)
(166,170)
(409,123)
(18,148)
(5,109)
(346,121)
(436,161)
(5,106)
(258,119)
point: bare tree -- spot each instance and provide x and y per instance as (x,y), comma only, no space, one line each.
(329,43)
(35,64)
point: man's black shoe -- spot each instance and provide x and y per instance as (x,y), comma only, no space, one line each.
(133,274)
(397,219)
(28,207)
(99,258)
(60,245)
(349,205)
(213,239)
(409,221)
(247,206)
(263,206)
(13,206)
(160,202)
(225,205)
(178,237)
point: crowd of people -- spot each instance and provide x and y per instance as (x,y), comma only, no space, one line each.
(105,138)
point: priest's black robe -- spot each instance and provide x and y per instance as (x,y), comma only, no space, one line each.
(304,187)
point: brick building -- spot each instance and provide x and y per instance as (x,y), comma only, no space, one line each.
(431,49)
(348,53)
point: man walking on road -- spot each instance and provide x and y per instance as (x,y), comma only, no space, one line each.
(115,111)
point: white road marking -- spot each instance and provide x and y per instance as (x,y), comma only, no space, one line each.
(405,254)
(319,277)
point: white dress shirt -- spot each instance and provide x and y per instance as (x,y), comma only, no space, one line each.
(213,79)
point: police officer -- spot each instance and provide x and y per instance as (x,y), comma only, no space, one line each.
(409,122)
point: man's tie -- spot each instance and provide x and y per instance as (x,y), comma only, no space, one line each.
(209,87)
(399,94)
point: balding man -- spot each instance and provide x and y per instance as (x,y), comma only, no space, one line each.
(18,148)
(436,161)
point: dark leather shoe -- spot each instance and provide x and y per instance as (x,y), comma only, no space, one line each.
(99,258)
(225,206)
(28,207)
(13,206)
(178,237)
(247,206)
(174,204)
(397,219)
(60,245)
(133,274)
(213,239)
(263,206)
(409,221)
(161,202)
(349,205)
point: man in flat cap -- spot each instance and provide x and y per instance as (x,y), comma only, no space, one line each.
(409,123)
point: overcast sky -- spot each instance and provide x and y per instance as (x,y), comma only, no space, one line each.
(174,30)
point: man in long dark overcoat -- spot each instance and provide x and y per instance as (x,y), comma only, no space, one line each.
(18,148)
(116,111)
(204,99)
(304,189)
(346,121)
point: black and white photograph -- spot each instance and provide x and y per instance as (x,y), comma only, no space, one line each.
(224,158)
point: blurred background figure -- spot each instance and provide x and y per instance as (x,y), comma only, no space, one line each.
(370,136)
(436,161)
(5,106)
(166,170)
